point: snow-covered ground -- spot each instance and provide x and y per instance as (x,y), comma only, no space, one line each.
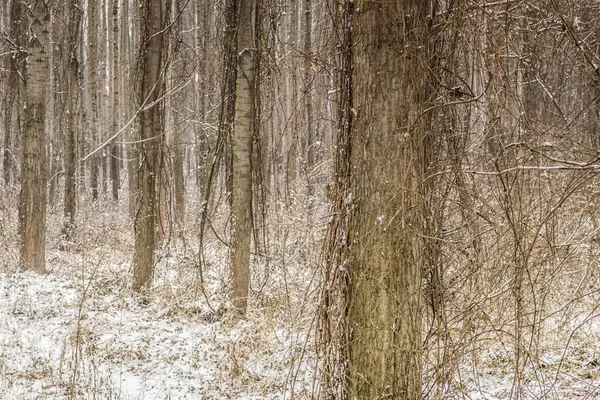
(80,333)
(62,336)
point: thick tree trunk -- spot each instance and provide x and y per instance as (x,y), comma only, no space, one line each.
(32,199)
(151,88)
(241,218)
(385,225)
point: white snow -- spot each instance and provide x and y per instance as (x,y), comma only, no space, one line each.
(61,336)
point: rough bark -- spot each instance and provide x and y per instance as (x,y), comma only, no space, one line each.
(70,196)
(32,199)
(128,111)
(179,73)
(150,90)
(203,17)
(241,218)
(12,87)
(309,139)
(385,222)
(93,92)
(115,176)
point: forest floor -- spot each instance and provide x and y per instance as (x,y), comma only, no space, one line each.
(80,333)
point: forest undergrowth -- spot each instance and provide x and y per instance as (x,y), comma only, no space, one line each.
(80,332)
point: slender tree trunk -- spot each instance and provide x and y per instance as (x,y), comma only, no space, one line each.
(70,193)
(128,111)
(105,104)
(12,87)
(203,14)
(151,116)
(81,141)
(241,225)
(308,142)
(179,74)
(58,103)
(93,93)
(115,177)
(32,199)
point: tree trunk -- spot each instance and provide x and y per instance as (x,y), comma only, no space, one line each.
(70,193)
(128,104)
(203,15)
(115,177)
(178,74)
(150,91)
(12,88)
(241,225)
(104,105)
(384,162)
(93,92)
(308,142)
(32,199)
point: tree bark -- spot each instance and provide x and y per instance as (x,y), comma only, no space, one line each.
(115,176)
(93,92)
(241,224)
(385,222)
(151,116)
(128,104)
(179,72)
(309,139)
(12,87)
(32,199)
(70,193)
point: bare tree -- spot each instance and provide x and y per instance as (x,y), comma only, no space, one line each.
(12,85)
(92,65)
(380,203)
(70,194)
(150,92)
(241,227)
(115,176)
(32,199)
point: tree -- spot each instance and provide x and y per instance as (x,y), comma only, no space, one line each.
(149,149)
(241,196)
(32,198)
(70,194)
(380,201)
(92,64)
(15,63)
(179,85)
(115,176)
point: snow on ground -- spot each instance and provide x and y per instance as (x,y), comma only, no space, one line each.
(61,337)
(80,333)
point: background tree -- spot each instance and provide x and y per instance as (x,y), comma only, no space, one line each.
(15,62)
(241,196)
(115,148)
(150,90)
(32,198)
(70,150)
(93,93)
